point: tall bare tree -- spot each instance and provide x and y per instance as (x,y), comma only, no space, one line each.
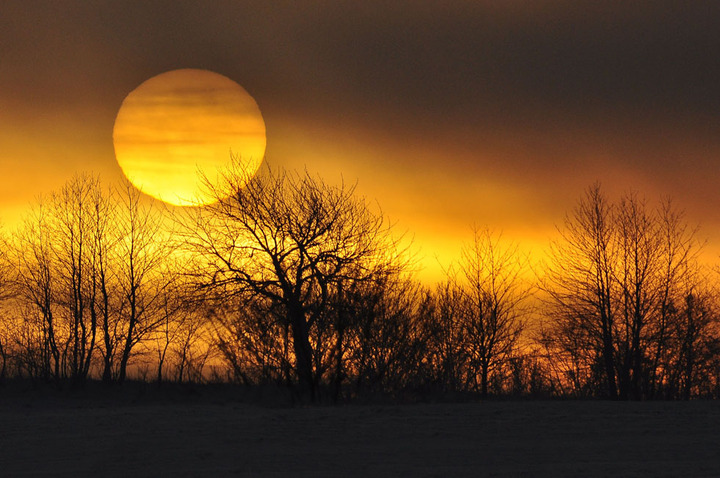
(88,264)
(33,274)
(5,294)
(617,283)
(57,258)
(490,293)
(289,238)
(445,333)
(143,276)
(74,238)
(176,314)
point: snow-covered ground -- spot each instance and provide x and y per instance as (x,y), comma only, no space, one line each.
(202,438)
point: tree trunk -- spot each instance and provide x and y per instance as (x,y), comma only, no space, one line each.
(609,362)
(107,370)
(3,357)
(124,361)
(126,352)
(484,380)
(624,377)
(637,367)
(161,361)
(687,385)
(339,373)
(303,355)
(130,337)
(160,372)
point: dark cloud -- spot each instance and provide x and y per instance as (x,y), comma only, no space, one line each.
(458,58)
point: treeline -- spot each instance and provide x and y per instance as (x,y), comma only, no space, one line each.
(285,280)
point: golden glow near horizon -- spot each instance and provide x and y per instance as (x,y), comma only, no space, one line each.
(181,123)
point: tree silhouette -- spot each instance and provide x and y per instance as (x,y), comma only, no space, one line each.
(491,297)
(5,293)
(291,281)
(445,339)
(86,271)
(379,342)
(56,260)
(143,277)
(618,283)
(479,312)
(290,239)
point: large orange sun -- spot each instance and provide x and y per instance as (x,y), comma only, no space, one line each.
(180,125)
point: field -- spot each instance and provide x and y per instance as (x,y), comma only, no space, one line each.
(223,437)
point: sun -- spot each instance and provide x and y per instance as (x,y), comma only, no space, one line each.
(182,124)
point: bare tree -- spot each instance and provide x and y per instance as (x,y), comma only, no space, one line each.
(490,292)
(615,285)
(143,276)
(253,339)
(289,238)
(173,313)
(75,238)
(5,294)
(34,274)
(88,271)
(446,339)
(698,315)
(103,275)
(579,283)
(56,259)
(183,339)
(379,341)
(680,278)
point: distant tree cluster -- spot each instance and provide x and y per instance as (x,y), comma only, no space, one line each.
(287,281)
(630,312)
(87,284)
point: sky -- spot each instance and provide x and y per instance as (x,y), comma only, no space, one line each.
(448,114)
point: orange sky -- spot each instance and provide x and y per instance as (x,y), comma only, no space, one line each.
(448,114)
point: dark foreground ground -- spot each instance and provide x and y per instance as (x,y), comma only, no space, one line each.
(135,438)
